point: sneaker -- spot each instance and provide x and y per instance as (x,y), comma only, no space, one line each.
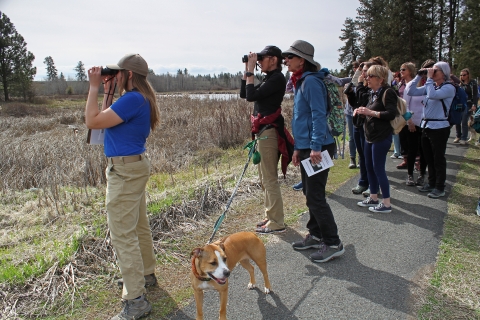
(410,181)
(394,156)
(298,186)
(327,253)
(369,202)
(262,223)
(267,230)
(417,166)
(478,207)
(436,194)
(425,188)
(420,180)
(150,280)
(307,243)
(477,144)
(381,208)
(134,309)
(463,142)
(366,193)
(359,189)
(456,140)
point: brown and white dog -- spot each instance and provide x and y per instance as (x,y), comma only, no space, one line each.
(473,133)
(212,264)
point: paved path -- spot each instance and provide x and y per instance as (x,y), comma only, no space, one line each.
(372,280)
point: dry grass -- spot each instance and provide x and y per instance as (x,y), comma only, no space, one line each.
(54,245)
(452,289)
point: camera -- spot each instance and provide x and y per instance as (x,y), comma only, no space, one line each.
(245,58)
(108,72)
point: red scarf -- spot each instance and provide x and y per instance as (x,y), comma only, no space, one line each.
(295,76)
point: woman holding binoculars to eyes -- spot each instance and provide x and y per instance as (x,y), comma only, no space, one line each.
(268,127)
(128,123)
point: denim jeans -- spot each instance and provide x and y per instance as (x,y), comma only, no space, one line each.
(397,147)
(321,223)
(359,136)
(375,159)
(434,145)
(462,128)
(351,139)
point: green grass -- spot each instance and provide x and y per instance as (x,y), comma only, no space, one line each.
(453,291)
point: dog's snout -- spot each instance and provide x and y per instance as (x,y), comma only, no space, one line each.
(226,273)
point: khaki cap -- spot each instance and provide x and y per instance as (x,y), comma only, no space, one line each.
(133,62)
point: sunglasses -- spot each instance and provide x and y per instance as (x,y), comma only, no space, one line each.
(291,56)
(371,76)
(463,75)
(403,69)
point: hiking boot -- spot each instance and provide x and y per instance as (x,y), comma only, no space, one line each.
(436,194)
(456,140)
(359,189)
(420,180)
(134,309)
(298,186)
(410,181)
(369,202)
(327,253)
(366,193)
(307,243)
(150,280)
(381,208)
(403,165)
(426,188)
(352,164)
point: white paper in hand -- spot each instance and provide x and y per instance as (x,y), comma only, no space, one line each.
(312,169)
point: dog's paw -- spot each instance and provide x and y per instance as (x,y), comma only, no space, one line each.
(267,291)
(251,286)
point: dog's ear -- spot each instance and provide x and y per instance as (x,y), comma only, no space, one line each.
(197,252)
(222,246)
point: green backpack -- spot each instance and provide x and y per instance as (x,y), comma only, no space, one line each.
(335,109)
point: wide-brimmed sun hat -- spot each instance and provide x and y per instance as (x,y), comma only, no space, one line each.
(304,50)
(133,62)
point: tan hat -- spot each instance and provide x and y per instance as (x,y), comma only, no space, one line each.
(427,63)
(133,62)
(304,50)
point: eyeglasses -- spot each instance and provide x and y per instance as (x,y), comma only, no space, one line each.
(371,76)
(291,56)
(403,69)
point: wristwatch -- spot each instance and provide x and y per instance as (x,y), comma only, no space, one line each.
(249,74)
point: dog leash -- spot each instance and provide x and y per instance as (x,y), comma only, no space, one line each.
(252,146)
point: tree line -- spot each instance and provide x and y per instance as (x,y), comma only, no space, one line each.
(414,31)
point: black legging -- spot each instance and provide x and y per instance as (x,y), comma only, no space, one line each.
(414,149)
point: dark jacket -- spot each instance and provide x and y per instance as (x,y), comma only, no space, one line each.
(471,90)
(378,129)
(268,95)
(359,98)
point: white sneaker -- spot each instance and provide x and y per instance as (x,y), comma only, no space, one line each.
(463,142)
(456,140)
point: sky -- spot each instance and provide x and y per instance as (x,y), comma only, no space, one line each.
(204,36)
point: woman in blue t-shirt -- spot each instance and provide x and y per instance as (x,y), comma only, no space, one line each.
(128,122)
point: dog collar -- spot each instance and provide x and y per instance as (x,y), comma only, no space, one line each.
(195,272)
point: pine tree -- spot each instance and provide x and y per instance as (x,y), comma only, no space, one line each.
(16,69)
(80,69)
(52,73)
(351,50)
(467,50)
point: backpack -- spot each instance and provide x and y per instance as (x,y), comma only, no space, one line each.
(476,121)
(458,106)
(335,114)
(399,122)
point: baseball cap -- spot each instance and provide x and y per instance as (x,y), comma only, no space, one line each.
(271,51)
(133,62)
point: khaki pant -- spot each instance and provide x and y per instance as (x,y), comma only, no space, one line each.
(129,225)
(268,173)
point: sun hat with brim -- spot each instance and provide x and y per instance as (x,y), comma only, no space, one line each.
(304,50)
(427,64)
(133,62)
(272,51)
